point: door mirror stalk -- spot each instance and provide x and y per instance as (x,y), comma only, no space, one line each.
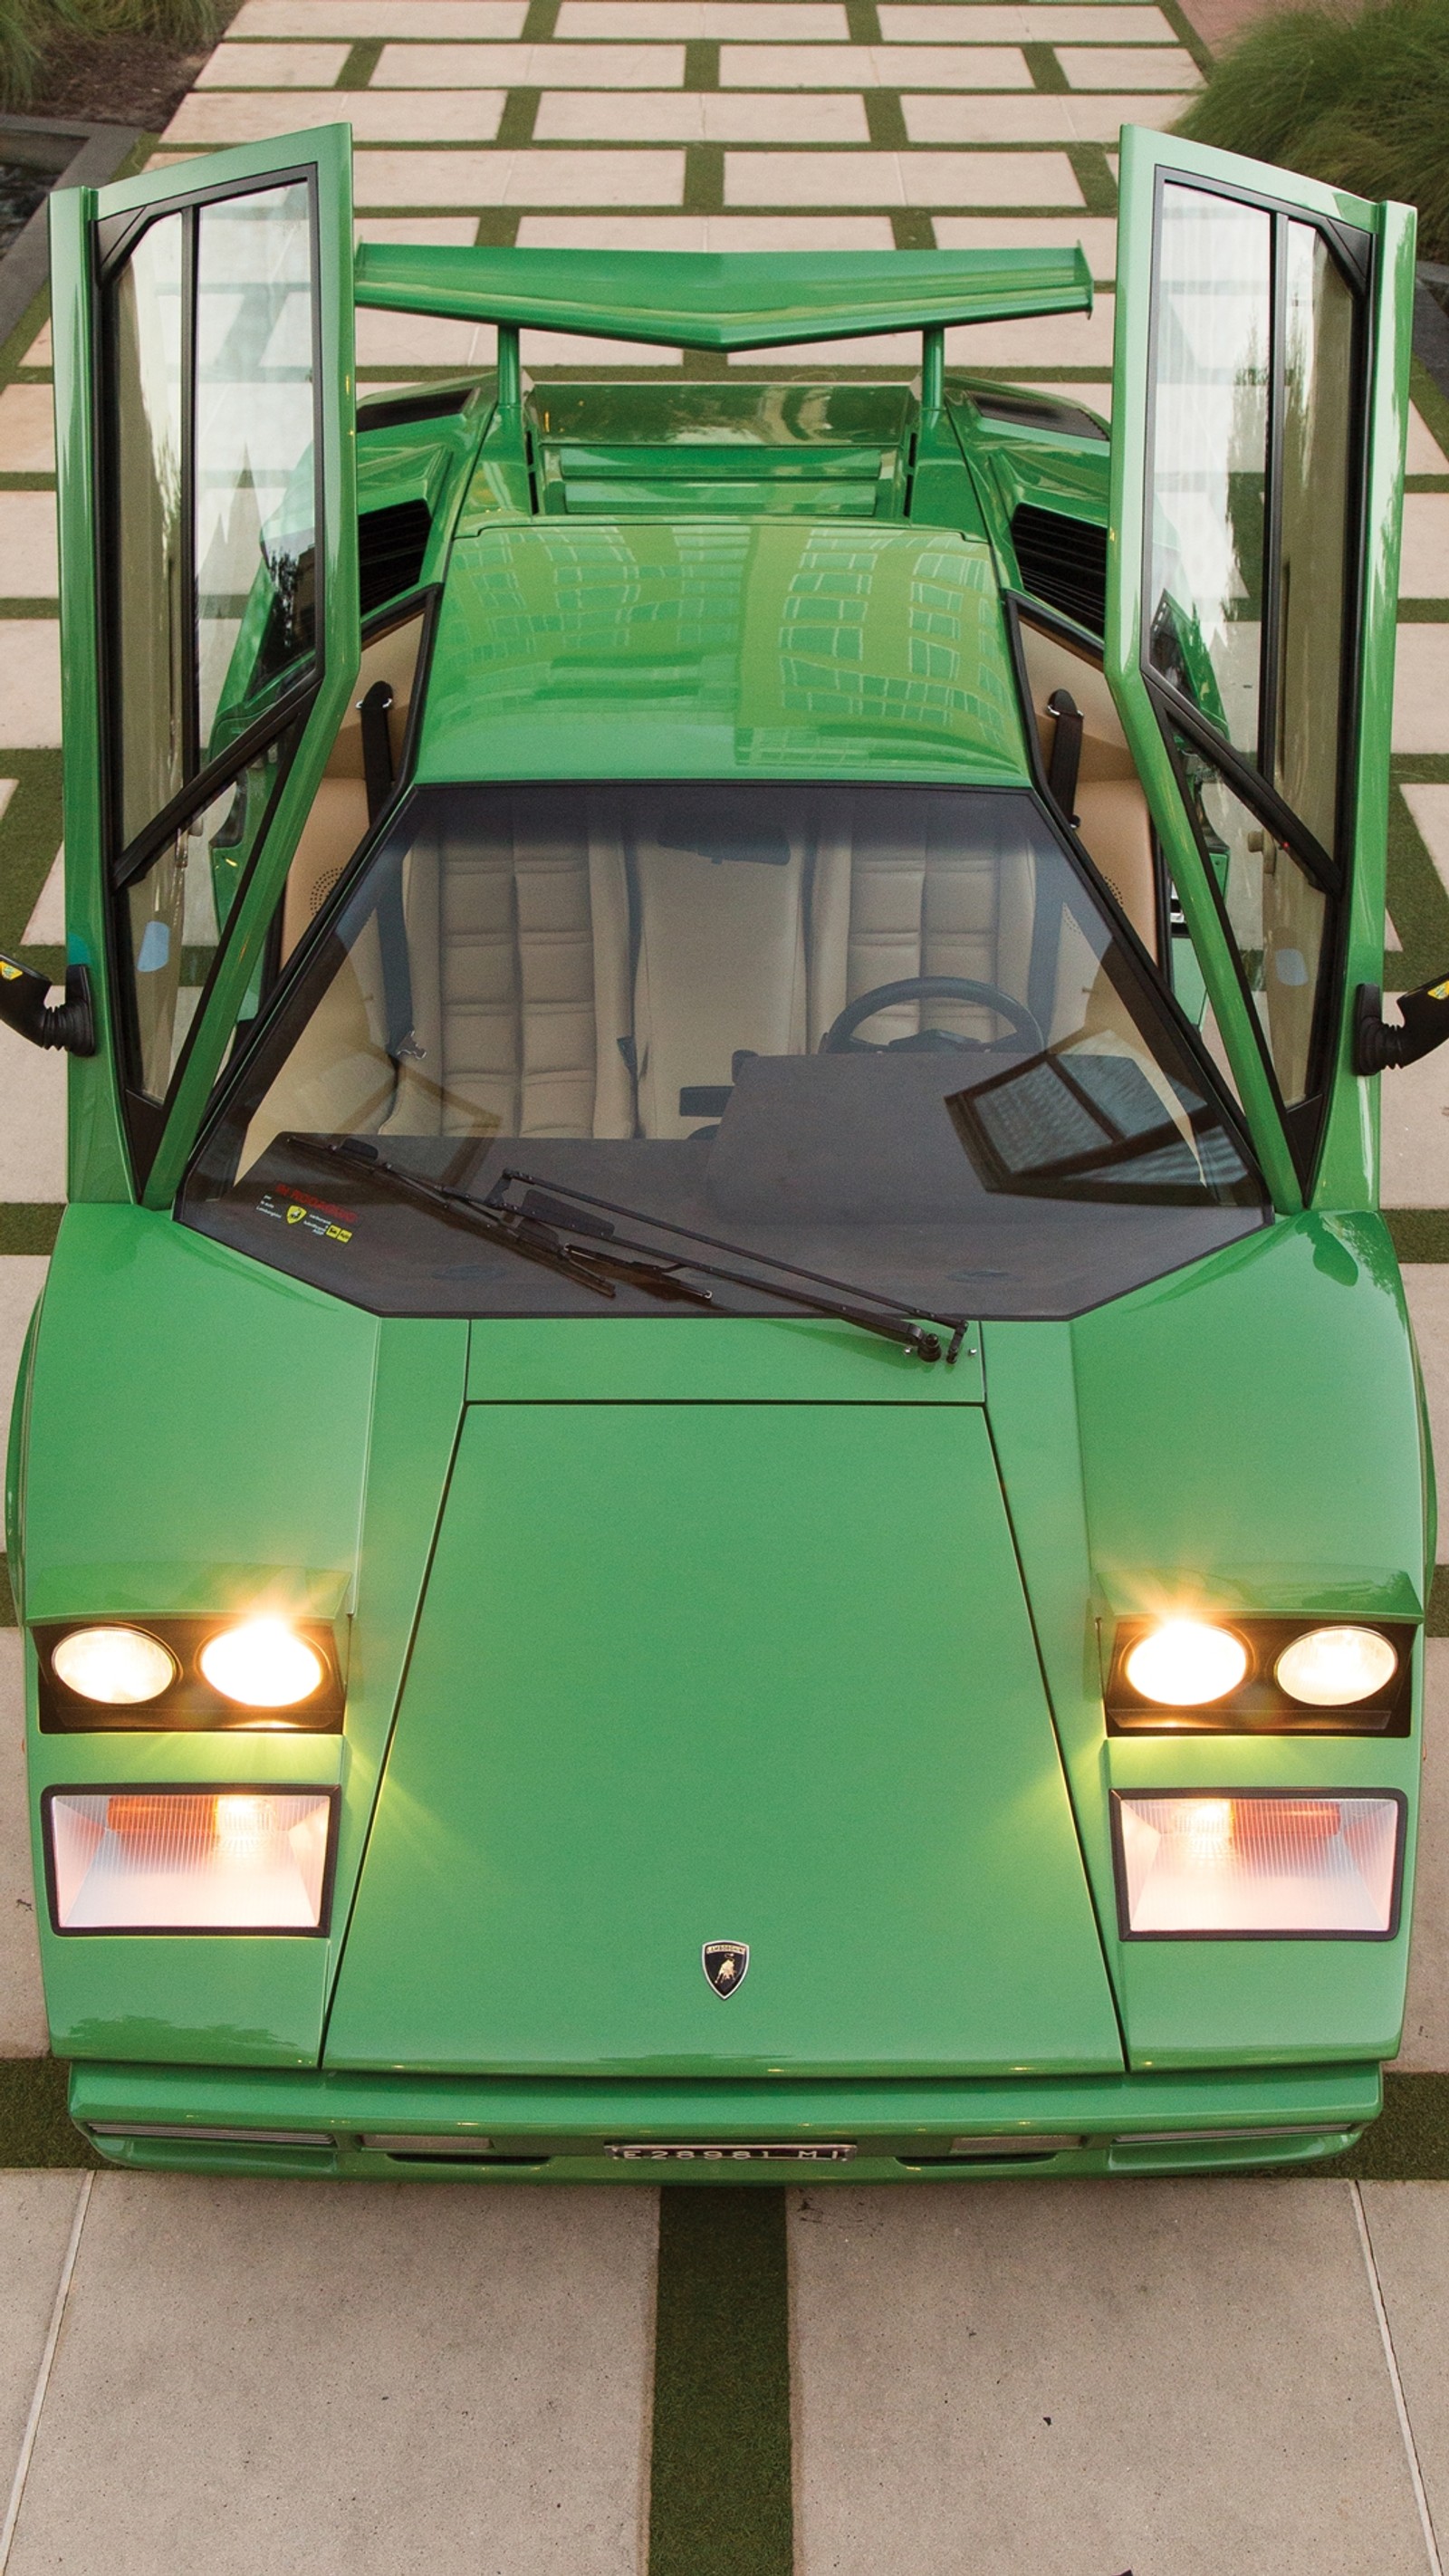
(1379,1045)
(23,1007)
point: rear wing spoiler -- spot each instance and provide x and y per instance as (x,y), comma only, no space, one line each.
(725,300)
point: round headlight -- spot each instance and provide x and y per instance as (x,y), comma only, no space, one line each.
(261,1664)
(120,1665)
(1333,1667)
(1185,1663)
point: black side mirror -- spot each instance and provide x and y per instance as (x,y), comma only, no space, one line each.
(23,1007)
(1379,1045)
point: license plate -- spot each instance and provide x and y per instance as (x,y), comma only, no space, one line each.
(791,2154)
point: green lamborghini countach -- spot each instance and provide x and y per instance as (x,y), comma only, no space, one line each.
(722,1471)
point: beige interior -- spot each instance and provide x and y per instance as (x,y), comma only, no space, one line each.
(1112,815)
(338,818)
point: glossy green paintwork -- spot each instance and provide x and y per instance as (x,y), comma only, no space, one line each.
(723,300)
(670,1628)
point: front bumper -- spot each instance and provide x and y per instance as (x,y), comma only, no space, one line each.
(453,2128)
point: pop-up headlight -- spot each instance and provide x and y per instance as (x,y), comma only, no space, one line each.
(262,1663)
(122,1666)
(181,1860)
(189,1674)
(1238,1867)
(1259,1675)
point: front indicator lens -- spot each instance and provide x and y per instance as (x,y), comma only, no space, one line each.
(261,1664)
(168,1860)
(1259,1865)
(122,1667)
(1334,1667)
(1186,1662)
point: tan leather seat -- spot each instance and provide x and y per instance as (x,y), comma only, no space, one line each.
(1112,817)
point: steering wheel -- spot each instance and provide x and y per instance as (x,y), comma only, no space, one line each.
(840,1037)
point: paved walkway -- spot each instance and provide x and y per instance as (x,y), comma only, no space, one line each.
(1178,2379)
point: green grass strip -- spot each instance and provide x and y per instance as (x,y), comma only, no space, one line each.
(720,2502)
(1409,2142)
(28,1225)
(35,2127)
(1437,1622)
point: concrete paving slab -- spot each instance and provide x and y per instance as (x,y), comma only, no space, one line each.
(30,677)
(1043,117)
(22,1276)
(354,2380)
(1414,1137)
(27,430)
(1421,689)
(396,116)
(1425,573)
(792,22)
(1424,454)
(41,350)
(1050,23)
(530,66)
(1426,1285)
(699,116)
(1052,340)
(1183,2378)
(298,66)
(1425,2047)
(705,232)
(873,67)
(27,546)
(32,1122)
(1408,2231)
(23,2031)
(522,178)
(900,179)
(417,340)
(1129,67)
(357,20)
(1097,235)
(1429,805)
(37,2212)
(46,926)
(882,349)
(457,232)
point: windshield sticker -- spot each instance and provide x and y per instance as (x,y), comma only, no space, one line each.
(315,1216)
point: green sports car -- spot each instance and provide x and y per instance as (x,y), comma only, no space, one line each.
(722,1469)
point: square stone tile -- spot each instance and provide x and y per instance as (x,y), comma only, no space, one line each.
(272,67)
(1425,455)
(37,2212)
(22,1274)
(23,2028)
(417,340)
(1424,573)
(1039,117)
(872,67)
(1408,2228)
(900,179)
(694,116)
(1049,340)
(27,433)
(1049,22)
(46,926)
(27,546)
(457,232)
(30,683)
(1414,1136)
(1426,1285)
(1129,67)
(530,66)
(32,1134)
(1421,685)
(515,179)
(352,2380)
(354,20)
(41,351)
(1425,2046)
(886,350)
(246,116)
(1097,235)
(705,232)
(794,22)
(1429,805)
(1182,2378)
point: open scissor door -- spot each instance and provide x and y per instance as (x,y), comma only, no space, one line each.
(1258,426)
(205,407)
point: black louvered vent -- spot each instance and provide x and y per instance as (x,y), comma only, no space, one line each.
(391,545)
(1064,562)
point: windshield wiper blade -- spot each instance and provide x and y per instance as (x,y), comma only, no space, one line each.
(544,1202)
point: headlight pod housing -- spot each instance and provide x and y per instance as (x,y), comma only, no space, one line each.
(1274,1676)
(231,1671)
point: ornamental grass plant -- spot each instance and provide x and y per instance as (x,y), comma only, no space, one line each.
(1356,96)
(28,27)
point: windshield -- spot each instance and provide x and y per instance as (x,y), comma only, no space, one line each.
(887,1033)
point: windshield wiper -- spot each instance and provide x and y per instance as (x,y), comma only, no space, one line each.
(516,1229)
(544,1202)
